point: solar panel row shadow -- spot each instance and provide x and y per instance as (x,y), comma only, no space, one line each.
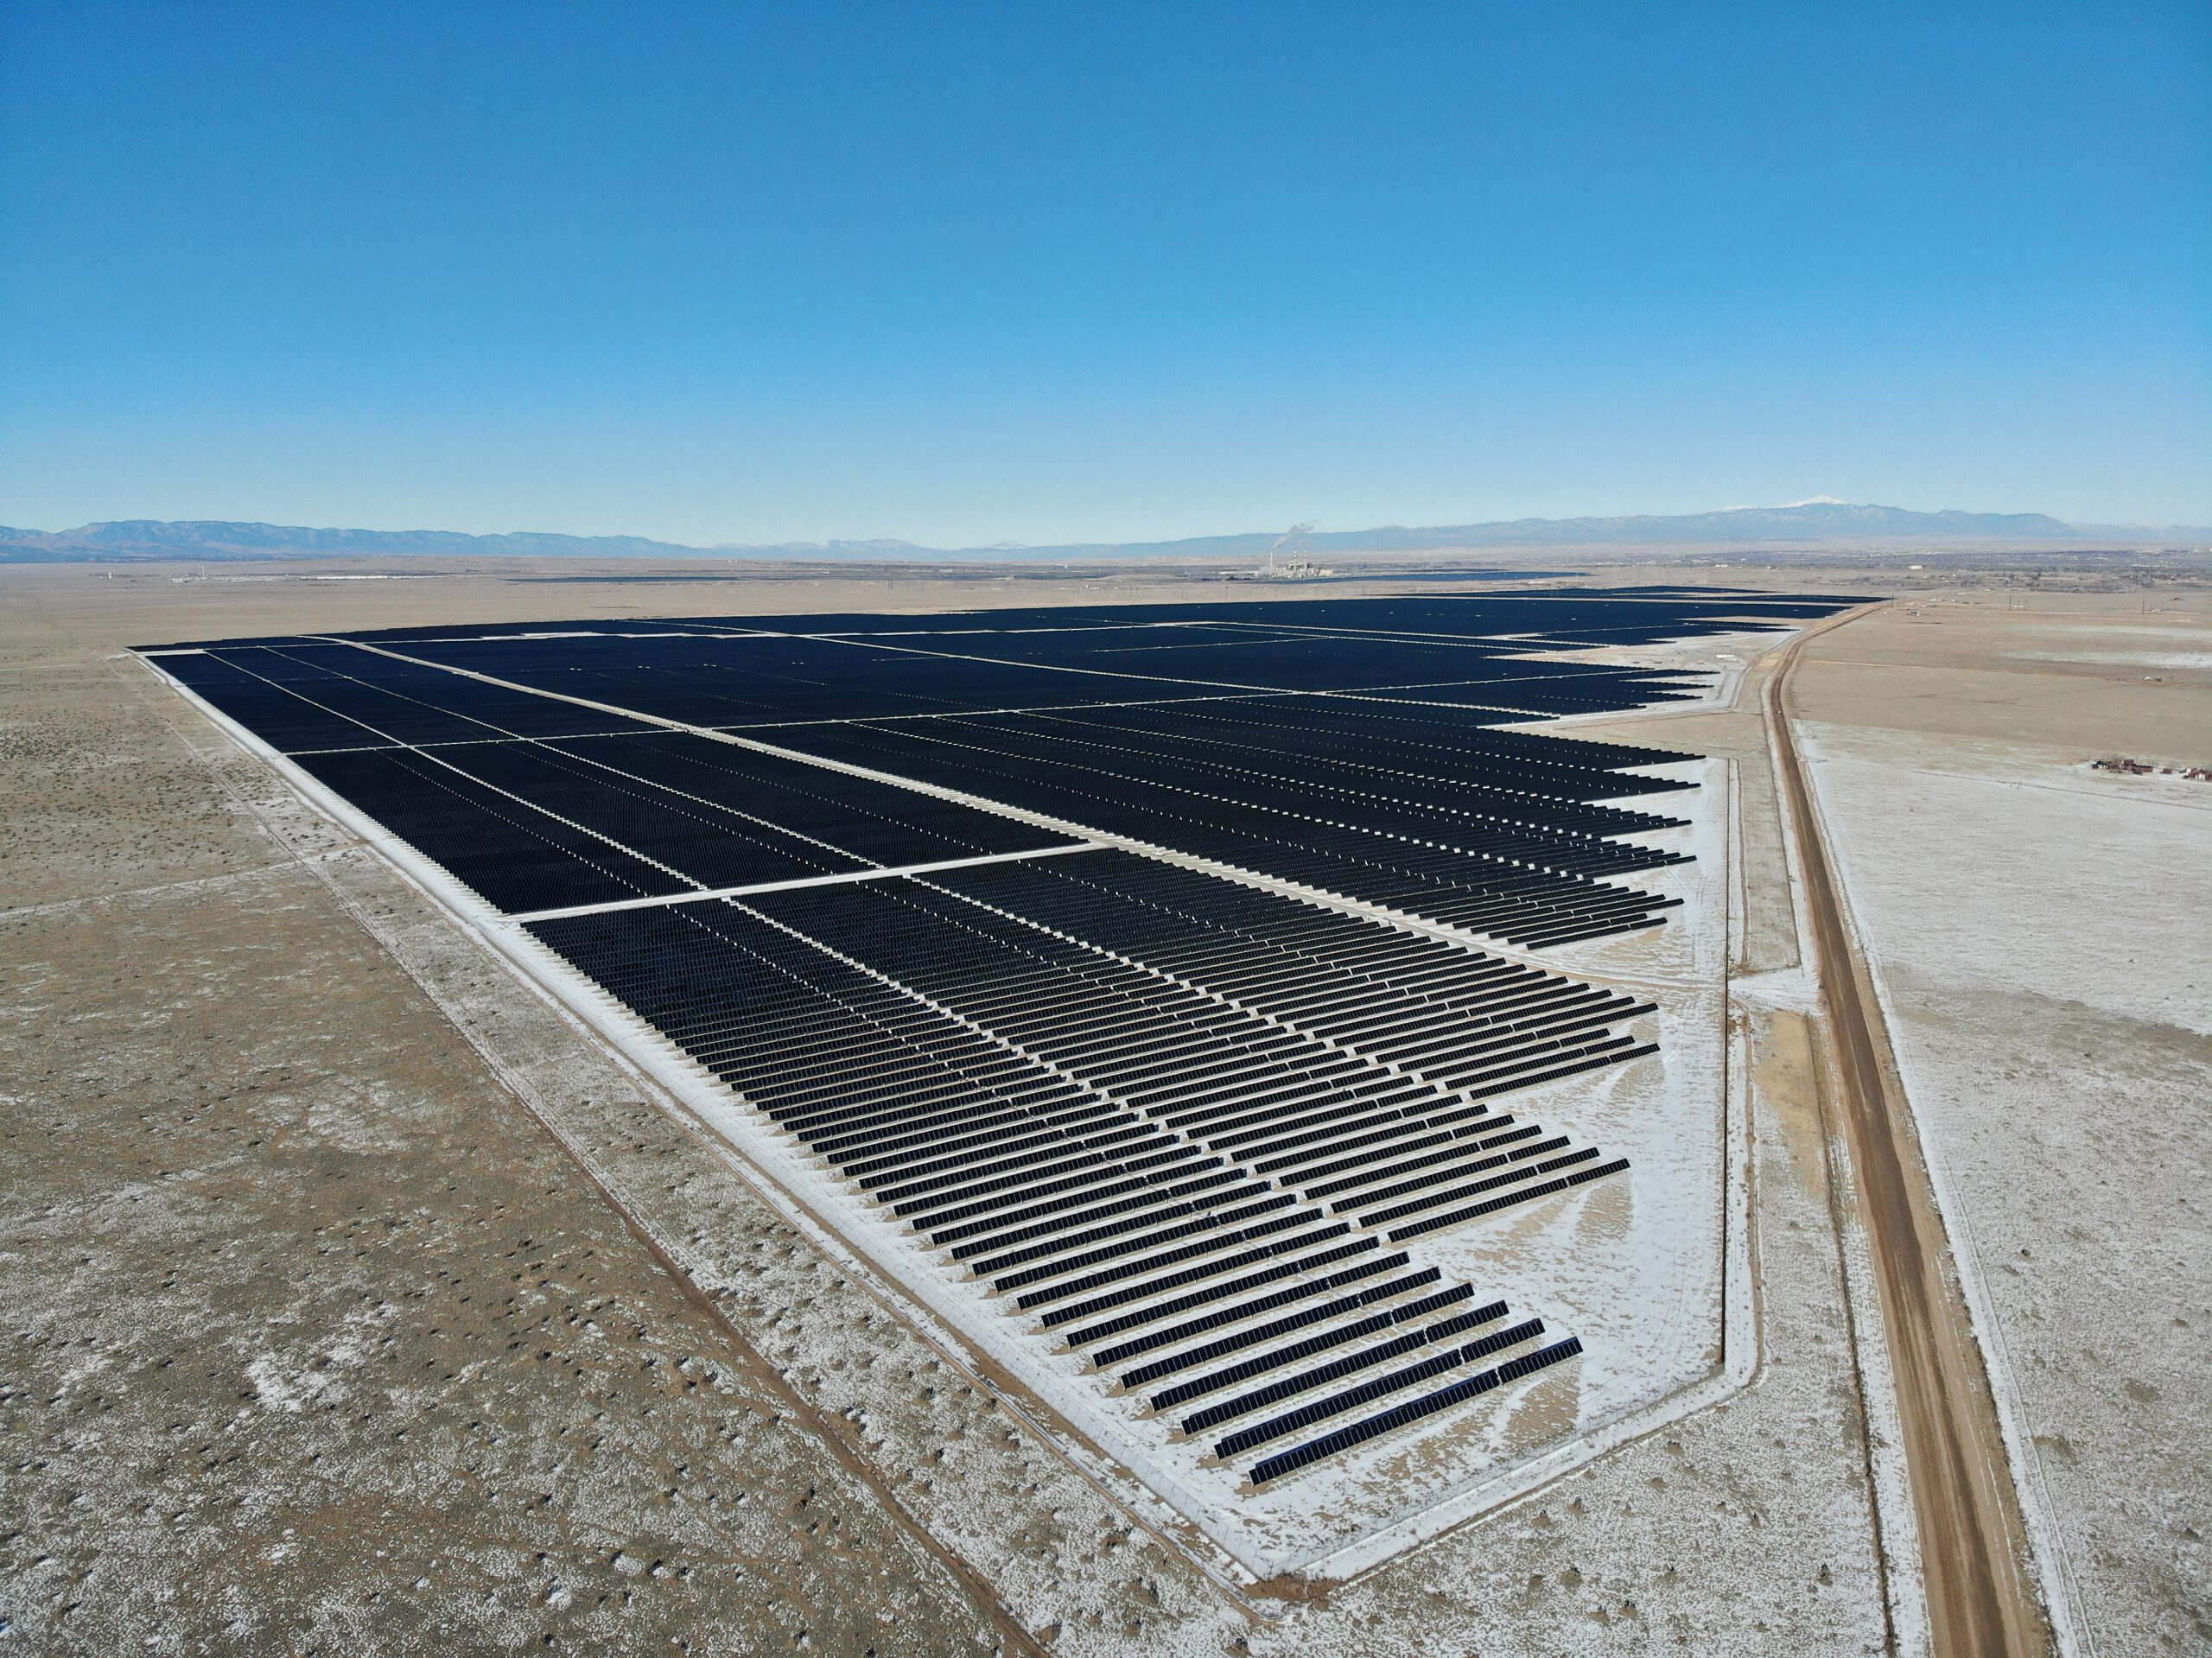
(1168,1258)
(1352,749)
(1389,802)
(1536,697)
(1258,1053)
(1404,730)
(1489,882)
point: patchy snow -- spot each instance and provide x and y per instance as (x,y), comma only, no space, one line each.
(2104,629)
(2180,659)
(2042,947)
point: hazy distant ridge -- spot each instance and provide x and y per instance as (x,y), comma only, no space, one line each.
(1810,521)
(146,539)
(204,539)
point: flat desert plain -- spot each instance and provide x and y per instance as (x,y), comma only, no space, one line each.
(361,1304)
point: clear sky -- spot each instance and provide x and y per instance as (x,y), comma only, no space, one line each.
(1046,271)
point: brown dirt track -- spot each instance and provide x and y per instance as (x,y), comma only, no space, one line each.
(1980,1597)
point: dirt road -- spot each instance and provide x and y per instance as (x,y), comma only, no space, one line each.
(1980,1598)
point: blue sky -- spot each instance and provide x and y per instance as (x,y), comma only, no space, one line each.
(971,273)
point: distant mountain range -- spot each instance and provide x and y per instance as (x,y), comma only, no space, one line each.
(144,540)
(156,538)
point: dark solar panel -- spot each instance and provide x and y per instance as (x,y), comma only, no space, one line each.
(1184,1127)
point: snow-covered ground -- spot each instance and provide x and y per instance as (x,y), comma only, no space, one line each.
(2042,938)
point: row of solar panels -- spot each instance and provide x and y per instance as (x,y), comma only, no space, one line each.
(312,699)
(1527,883)
(562,821)
(1345,739)
(753,679)
(1634,615)
(1185,1127)
(1176,1181)
(1271,780)
(1493,617)
(305,699)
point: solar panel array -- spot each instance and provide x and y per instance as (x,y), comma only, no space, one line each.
(965,907)
(1178,1152)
